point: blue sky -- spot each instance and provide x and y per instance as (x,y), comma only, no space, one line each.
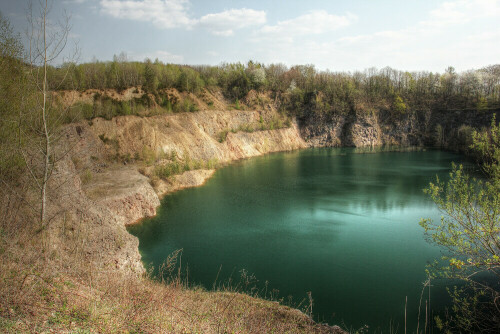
(334,35)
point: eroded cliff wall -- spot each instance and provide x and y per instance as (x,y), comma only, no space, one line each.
(109,193)
(384,127)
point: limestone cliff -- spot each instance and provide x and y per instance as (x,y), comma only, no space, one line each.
(116,188)
(383,127)
(114,193)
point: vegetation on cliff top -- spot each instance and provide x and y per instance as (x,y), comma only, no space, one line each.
(300,89)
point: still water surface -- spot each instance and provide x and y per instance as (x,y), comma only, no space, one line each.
(339,224)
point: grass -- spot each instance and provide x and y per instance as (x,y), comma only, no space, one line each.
(274,124)
(107,107)
(175,166)
(86,176)
(45,298)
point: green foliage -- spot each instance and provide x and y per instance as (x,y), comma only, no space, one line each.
(148,156)
(212,163)
(169,169)
(302,90)
(399,106)
(465,137)
(174,166)
(257,75)
(487,144)
(14,92)
(470,232)
(472,312)
(482,104)
(470,229)
(187,105)
(222,136)
(234,81)
(189,81)
(150,77)
(274,123)
(107,108)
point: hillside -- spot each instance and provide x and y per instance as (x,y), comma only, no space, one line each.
(86,273)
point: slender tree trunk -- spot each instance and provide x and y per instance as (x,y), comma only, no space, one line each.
(46,133)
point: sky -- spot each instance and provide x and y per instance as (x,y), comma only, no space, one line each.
(333,35)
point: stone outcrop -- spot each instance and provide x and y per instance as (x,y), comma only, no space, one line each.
(125,192)
(112,195)
(119,194)
(361,129)
(196,135)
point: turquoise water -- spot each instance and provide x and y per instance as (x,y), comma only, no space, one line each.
(341,225)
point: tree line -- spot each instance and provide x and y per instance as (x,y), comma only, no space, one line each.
(301,88)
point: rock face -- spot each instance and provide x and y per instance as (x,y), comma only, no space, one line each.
(125,192)
(196,135)
(412,128)
(115,195)
(342,130)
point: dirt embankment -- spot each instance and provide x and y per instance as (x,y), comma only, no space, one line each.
(115,160)
(108,181)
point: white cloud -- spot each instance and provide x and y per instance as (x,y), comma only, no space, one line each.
(224,23)
(311,23)
(164,14)
(461,12)
(466,37)
(163,56)
(167,14)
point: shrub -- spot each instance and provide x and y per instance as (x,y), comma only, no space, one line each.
(148,156)
(167,170)
(222,136)
(212,163)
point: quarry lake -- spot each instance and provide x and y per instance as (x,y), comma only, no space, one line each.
(334,222)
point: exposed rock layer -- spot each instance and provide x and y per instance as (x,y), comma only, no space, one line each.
(119,194)
(127,196)
(383,127)
(115,195)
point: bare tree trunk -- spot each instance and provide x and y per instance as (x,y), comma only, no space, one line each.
(46,42)
(45,127)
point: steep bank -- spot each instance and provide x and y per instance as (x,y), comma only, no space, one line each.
(108,155)
(108,180)
(359,128)
(117,158)
(87,274)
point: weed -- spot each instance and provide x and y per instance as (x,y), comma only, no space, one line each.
(167,170)
(108,141)
(86,176)
(222,136)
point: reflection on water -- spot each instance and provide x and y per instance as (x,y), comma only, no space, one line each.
(339,224)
